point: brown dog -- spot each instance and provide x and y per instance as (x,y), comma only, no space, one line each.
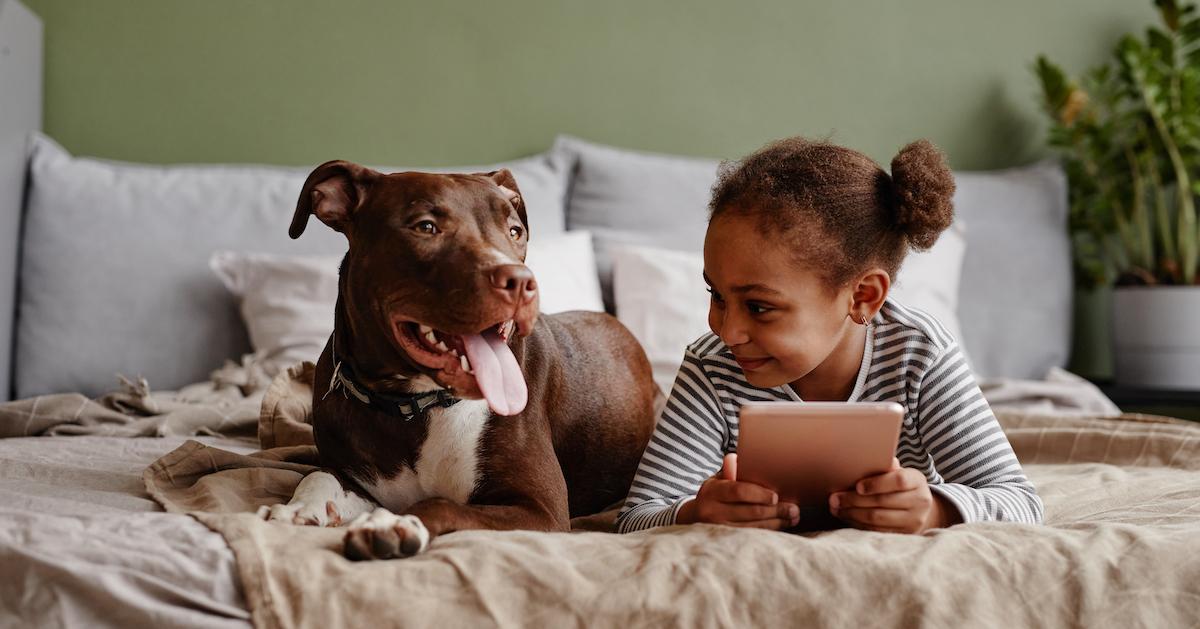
(442,395)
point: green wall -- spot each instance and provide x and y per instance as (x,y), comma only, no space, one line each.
(445,82)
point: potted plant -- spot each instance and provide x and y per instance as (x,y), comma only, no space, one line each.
(1129,135)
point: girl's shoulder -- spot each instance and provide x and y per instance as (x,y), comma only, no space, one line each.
(913,324)
(709,345)
(714,359)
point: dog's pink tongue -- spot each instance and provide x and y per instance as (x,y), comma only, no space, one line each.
(496,370)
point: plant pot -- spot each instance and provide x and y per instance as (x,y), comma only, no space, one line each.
(1156,337)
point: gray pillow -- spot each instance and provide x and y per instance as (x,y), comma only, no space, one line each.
(630,197)
(114,262)
(1014,300)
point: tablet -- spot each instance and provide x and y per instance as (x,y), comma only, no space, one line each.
(805,451)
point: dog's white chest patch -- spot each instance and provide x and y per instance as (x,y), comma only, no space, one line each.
(447,465)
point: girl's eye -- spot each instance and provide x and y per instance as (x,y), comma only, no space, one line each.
(426,227)
(515,232)
(757,308)
(716,297)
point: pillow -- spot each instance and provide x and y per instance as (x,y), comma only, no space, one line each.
(113,258)
(565,269)
(287,302)
(931,281)
(660,295)
(630,197)
(1017,283)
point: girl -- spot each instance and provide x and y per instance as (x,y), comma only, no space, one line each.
(803,241)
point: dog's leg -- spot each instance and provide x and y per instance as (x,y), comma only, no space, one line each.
(319,500)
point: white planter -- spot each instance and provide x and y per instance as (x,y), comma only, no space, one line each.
(1156,337)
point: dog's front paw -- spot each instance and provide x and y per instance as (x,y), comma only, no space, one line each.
(382,534)
(301,513)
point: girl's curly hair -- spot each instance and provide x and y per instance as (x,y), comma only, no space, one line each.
(835,207)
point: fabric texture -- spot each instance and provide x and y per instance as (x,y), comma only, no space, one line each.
(1060,392)
(660,295)
(949,432)
(287,302)
(226,404)
(83,545)
(114,252)
(1121,531)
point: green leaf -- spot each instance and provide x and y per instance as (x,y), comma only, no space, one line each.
(1169,9)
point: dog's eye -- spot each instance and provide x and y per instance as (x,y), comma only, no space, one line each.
(426,227)
(515,232)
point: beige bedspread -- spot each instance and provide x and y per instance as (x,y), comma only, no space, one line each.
(1120,548)
(227,404)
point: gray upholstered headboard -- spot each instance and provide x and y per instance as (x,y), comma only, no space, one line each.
(20,113)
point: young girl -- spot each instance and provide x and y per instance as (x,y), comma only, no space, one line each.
(803,241)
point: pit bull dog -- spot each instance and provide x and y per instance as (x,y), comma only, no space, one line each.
(443,401)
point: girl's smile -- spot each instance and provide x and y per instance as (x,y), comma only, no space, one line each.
(750,364)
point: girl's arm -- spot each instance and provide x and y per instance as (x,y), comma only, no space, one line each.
(686,448)
(983,478)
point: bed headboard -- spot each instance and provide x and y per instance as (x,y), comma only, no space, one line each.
(20,113)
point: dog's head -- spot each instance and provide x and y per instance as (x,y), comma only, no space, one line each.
(436,265)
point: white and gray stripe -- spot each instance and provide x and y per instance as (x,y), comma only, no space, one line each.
(949,431)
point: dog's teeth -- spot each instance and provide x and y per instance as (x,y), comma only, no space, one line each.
(442,346)
(429,336)
(454,352)
(466,365)
(426,329)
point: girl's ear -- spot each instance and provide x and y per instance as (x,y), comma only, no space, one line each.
(870,291)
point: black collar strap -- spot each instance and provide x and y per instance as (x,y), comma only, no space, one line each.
(406,407)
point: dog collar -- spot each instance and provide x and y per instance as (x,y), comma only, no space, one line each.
(407,407)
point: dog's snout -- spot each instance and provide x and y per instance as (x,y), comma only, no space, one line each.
(515,282)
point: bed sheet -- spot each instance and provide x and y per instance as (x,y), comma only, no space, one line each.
(82,544)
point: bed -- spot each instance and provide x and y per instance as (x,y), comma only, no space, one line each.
(158,395)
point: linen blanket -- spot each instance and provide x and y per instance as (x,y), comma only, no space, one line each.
(1121,548)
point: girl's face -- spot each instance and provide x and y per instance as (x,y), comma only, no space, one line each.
(780,320)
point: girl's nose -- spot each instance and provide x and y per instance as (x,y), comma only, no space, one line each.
(731,329)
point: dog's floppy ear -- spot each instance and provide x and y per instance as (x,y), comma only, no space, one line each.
(332,191)
(508,185)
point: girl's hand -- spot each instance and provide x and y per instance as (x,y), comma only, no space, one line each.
(897,501)
(724,500)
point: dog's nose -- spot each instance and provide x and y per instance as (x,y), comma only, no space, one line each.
(515,282)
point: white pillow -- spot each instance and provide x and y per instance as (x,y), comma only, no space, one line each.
(660,295)
(287,302)
(930,280)
(565,268)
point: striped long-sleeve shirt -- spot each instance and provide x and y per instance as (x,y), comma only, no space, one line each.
(949,431)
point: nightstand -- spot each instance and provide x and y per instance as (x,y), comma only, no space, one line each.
(1171,403)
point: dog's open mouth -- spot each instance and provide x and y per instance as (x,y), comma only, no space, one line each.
(471,364)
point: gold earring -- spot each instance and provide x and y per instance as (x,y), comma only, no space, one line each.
(864,320)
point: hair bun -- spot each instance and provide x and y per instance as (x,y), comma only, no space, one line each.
(924,189)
